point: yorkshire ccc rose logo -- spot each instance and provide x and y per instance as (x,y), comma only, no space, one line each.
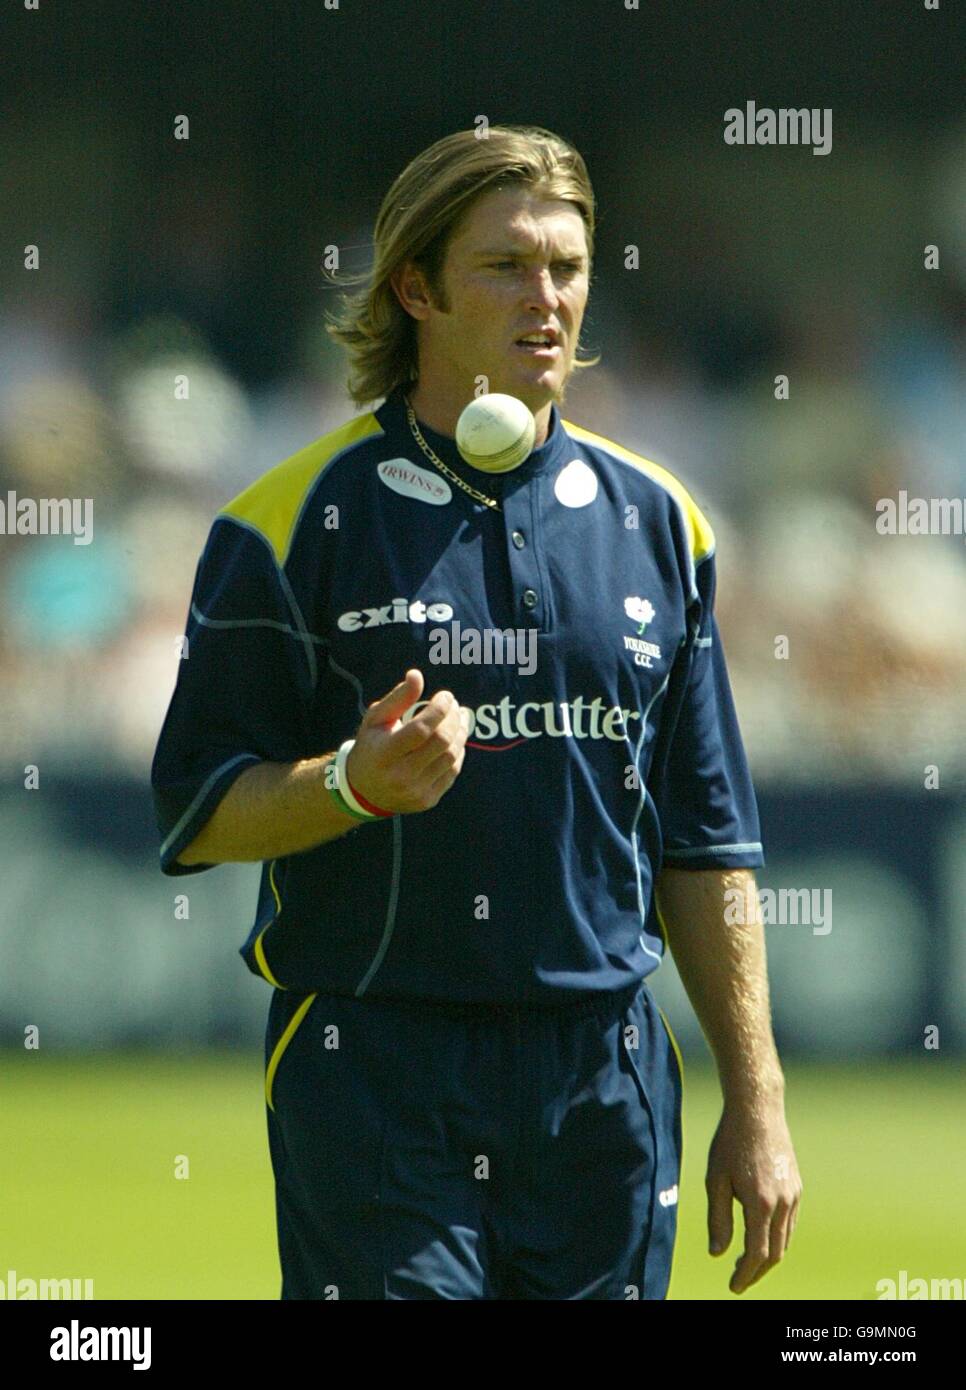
(640,611)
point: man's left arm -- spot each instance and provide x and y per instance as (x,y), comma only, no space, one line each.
(720,956)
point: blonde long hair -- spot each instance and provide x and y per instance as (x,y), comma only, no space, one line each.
(417,219)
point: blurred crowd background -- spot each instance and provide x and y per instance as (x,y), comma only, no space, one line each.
(203,257)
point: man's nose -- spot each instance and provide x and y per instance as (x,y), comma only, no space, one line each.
(541,289)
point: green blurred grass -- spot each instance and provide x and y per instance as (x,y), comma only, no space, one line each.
(89,1145)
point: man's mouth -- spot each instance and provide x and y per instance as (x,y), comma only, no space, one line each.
(540,344)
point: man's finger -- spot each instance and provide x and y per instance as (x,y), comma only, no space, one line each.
(720,1227)
(776,1244)
(446,778)
(779,1233)
(792,1221)
(757,1229)
(440,716)
(432,758)
(394,704)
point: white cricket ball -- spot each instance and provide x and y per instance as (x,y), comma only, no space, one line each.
(495,433)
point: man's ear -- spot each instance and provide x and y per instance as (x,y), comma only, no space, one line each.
(411,290)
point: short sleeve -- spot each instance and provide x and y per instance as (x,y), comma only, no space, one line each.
(700,781)
(239,695)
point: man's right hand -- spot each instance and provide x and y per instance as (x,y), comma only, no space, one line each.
(408,767)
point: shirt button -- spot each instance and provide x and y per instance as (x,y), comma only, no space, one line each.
(530,599)
(518,540)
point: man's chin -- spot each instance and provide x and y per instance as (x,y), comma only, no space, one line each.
(535,392)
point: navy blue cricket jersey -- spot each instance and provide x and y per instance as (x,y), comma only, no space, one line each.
(606,746)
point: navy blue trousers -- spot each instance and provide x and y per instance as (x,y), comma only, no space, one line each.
(425,1150)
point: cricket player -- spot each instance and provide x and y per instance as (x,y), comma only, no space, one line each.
(474,851)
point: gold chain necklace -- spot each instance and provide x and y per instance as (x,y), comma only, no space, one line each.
(443,468)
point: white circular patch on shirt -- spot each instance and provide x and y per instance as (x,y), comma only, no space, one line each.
(576,484)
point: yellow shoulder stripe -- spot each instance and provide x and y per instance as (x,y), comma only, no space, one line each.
(272,503)
(700,533)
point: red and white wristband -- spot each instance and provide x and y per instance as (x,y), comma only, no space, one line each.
(351,800)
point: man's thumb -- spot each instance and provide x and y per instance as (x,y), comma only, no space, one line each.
(398,700)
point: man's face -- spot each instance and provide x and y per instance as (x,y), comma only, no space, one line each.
(515,266)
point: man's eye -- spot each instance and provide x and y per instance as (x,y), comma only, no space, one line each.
(567,267)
